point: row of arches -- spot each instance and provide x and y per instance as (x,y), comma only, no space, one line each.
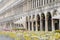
(40,20)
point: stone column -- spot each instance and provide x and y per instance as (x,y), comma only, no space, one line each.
(32,22)
(53,29)
(41,29)
(36,26)
(32,26)
(29,26)
(28,23)
(36,23)
(25,24)
(10,26)
(43,2)
(46,25)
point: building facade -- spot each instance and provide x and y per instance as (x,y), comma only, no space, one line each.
(33,15)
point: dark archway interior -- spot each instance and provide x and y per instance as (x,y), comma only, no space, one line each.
(34,23)
(30,25)
(38,22)
(27,25)
(43,21)
(49,21)
(56,23)
(27,22)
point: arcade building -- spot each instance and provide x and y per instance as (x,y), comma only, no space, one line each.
(33,15)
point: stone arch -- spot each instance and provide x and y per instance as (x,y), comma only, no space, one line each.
(43,21)
(49,21)
(38,22)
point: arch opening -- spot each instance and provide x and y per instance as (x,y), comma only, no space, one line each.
(56,23)
(30,25)
(27,23)
(49,21)
(43,21)
(38,22)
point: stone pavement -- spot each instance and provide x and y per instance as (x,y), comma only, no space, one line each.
(5,38)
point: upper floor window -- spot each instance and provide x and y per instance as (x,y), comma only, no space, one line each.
(53,0)
(39,2)
(33,4)
(33,16)
(47,1)
(29,17)
(42,2)
(50,1)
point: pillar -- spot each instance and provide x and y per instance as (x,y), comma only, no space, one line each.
(28,23)
(36,26)
(53,29)
(36,23)
(40,24)
(43,2)
(32,22)
(32,26)
(46,24)
(11,26)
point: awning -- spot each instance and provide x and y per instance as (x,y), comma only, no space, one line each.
(56,17)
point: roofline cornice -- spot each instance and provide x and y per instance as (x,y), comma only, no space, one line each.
(10,6)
